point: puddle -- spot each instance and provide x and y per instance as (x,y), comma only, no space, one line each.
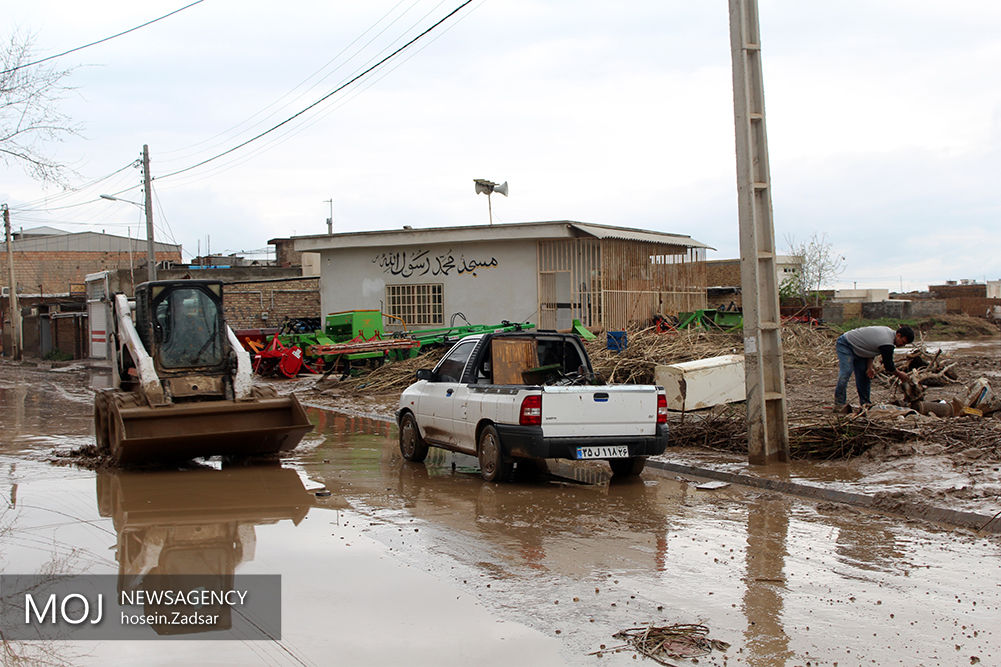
(428,565)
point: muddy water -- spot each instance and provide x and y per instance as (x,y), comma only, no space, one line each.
(426,564)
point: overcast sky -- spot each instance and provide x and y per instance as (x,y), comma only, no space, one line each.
(883,119)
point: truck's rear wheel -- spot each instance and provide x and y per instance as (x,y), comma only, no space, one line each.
(493,467)
(630,467)
(412,445)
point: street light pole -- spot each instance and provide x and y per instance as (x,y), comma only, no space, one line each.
(150,252)
(15,309)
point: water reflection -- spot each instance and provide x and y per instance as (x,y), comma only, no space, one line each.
(767,535)
(572,529)
(194,522)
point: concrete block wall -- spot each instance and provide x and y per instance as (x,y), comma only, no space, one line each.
(927,307)
(878,309)
(838,312)
(834,312)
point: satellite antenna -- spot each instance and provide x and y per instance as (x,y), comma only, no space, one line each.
(485,187)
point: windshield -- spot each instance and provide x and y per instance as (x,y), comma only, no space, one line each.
(187,327)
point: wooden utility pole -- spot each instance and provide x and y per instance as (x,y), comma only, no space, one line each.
(767,427)
(150,251)
(15,309)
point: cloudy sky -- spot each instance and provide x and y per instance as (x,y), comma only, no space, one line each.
(883,117)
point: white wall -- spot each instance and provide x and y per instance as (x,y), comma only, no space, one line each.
(486,281)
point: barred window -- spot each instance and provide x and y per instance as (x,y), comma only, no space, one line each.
(417,305)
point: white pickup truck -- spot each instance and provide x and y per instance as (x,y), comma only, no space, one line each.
(505,397)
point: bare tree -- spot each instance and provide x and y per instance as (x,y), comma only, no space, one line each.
(821,265)
(29,111)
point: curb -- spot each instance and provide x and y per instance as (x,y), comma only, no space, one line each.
(981,523)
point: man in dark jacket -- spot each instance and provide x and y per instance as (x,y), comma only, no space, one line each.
(857,349)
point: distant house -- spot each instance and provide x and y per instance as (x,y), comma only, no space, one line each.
(549,273)
(49,261)
(49,268)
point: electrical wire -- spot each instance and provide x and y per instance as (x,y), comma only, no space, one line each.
(382,75)
(359,72)
(41,204)
(100,41)
(247,121)
(290,132)
(163,216)
(325,97)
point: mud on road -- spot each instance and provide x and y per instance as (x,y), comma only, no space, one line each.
(387,562)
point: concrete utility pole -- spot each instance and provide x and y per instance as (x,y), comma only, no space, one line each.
(15,310)
(330,220)
(150,252)
(767,427)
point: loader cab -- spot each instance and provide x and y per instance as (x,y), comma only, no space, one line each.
(180,322)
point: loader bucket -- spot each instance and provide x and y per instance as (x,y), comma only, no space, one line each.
(139,434)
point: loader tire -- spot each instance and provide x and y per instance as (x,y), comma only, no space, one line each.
(101,422)
(493,466)
(412,445)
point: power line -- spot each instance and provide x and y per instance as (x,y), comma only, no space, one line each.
(266,110)
(290,132)
(43,203)
(100,41)
(325,97)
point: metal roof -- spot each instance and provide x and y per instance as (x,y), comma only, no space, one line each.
(627,234)
(555,229)
(86,242)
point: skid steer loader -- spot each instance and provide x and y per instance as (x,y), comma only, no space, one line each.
(182,384)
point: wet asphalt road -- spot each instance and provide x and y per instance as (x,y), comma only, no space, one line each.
(427,564)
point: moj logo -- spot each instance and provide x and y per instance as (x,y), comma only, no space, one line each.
(73,609)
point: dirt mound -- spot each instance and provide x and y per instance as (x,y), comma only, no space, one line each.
(948,327)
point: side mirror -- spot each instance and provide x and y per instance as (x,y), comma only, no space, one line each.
(425,374)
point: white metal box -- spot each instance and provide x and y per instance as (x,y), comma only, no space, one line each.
(694,385)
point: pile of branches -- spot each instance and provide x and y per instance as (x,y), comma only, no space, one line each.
(659,643)
(394,376)
(723,429)
(802,345)
(926,370)
(966,433)
(843,437)
(834,437)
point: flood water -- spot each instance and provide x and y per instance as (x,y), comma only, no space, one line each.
(428,565)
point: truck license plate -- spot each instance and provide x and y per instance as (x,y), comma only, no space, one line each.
(614,452)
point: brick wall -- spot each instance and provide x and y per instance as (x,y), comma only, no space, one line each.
(52,272)
(720,272)
(246,303)
(956,291)
(977,307)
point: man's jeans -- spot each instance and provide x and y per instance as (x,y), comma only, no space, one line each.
(848,363)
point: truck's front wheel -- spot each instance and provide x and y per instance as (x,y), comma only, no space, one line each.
(412,445)
(630,467)
(493,467)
